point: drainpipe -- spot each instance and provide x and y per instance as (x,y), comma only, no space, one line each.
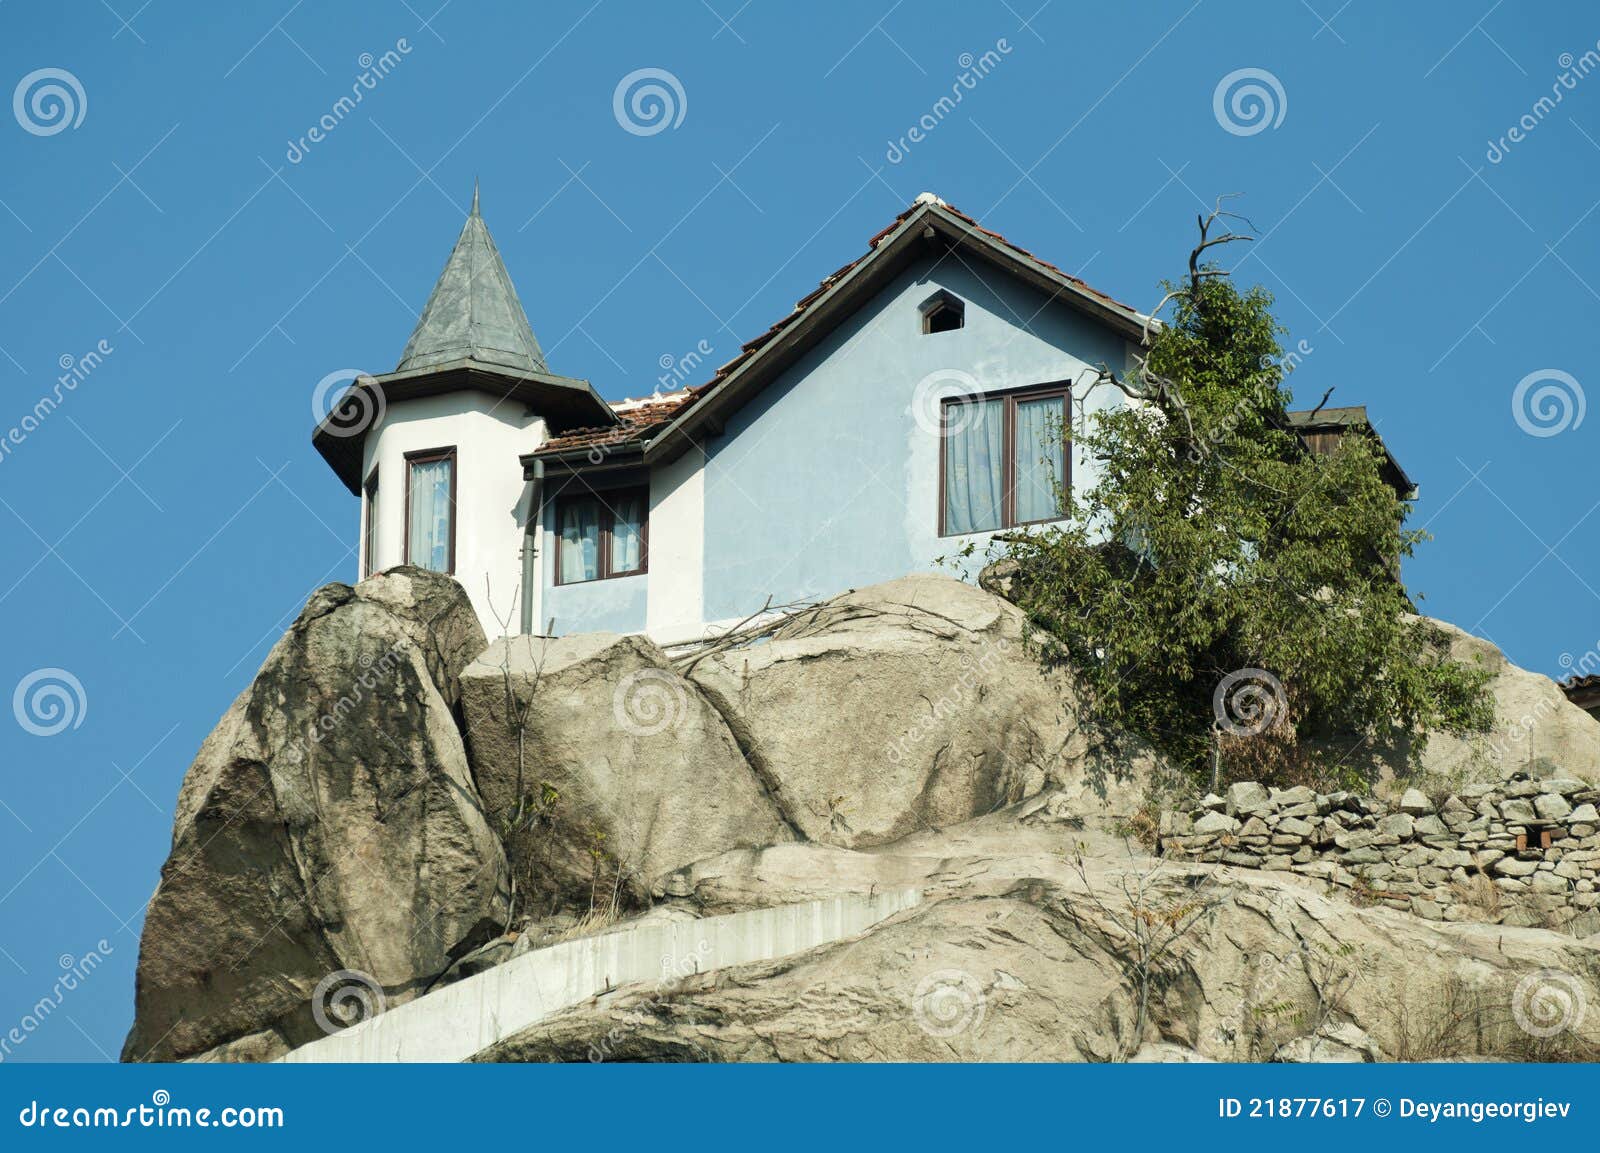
(530,546)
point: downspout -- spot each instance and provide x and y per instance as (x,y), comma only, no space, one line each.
(530,547)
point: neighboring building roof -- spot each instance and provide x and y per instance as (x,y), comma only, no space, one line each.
(1321,429)
(1583,691)
(473,312)
(929,224)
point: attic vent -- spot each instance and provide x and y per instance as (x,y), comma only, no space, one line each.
(942,312)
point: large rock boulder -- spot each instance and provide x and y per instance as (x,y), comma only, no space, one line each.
(604,768)
(329,845)
(907,705)
(1020,952)
(1536,729)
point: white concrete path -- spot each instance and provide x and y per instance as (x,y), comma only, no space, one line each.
(467,1017)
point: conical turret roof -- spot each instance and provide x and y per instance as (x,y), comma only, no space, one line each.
(473,312)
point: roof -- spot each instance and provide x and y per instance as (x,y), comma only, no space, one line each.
(638,418)
(472,336)
(1582,690)
(1310,422)
(473,312)
(929,224)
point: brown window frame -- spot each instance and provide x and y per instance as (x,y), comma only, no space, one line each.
(369,531)
(431,456)
(607,529)
(1008,481)
(942,301)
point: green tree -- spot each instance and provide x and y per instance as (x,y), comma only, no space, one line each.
(1223,591)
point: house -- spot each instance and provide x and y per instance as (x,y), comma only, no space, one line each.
(921,398)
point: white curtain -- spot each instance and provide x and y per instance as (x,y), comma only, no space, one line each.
(974,465)
(580,541)
(429,531)
(1040,432)
(627,533)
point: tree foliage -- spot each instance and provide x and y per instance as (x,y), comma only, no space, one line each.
(1221,589)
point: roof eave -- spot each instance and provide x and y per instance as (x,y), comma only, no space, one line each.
(563,401)
(825,312)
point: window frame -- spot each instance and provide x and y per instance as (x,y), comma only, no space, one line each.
(1008,482)
(942,301)
(369,530)
(432,456)
(604,498)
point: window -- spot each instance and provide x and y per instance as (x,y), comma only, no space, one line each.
(942,312)
(1004,460)
(431,509)
(369,533)
(602,535)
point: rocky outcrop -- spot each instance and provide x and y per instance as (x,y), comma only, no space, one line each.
(1536,729)
(1018,952)
(908,705)
(610,761)
(328,833)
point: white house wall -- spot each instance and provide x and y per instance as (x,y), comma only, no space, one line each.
(675,601)
(491,496)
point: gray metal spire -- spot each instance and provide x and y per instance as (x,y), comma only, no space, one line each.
(473,312)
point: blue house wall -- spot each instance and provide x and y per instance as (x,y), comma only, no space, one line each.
(829,478)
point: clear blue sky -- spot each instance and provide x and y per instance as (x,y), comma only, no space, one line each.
(167,521)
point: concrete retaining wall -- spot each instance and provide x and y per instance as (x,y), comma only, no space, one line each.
(464,1018)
